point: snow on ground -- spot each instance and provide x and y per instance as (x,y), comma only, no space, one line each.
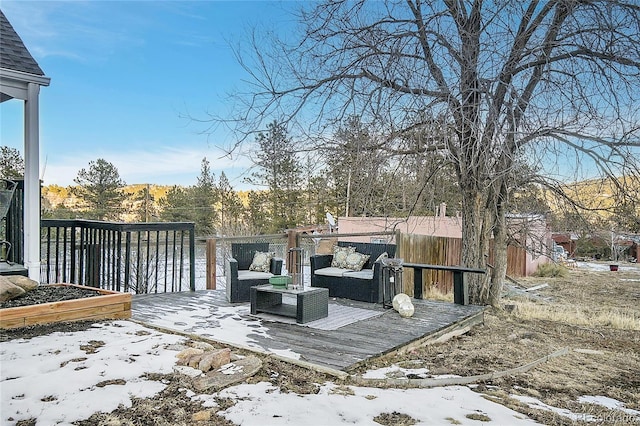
(612,404)
(395,371)
(57,379)
(64,377)
(600,267)
(263,404)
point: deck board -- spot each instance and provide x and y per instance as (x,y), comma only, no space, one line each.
(341,349)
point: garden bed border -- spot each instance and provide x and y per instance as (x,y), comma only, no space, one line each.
(108,305)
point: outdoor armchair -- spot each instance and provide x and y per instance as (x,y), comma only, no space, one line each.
(240,278)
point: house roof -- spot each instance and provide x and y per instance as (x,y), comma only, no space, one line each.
(13,53)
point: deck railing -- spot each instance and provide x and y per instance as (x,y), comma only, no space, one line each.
(129,257)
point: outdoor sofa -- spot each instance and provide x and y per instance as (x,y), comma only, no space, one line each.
(364,285)
(240,278)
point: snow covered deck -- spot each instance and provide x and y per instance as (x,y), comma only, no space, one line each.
(353,332)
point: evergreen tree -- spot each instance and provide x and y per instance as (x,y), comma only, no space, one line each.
(204,198)
(176,206)
(100,189)
(11,163)
(144,205)
(232,210)
(258,217)
(279,170)
(355,164)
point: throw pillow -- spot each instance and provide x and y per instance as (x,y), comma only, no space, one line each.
(340,256)
(262,261)
(356,260)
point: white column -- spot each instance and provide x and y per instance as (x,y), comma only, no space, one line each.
(32,182)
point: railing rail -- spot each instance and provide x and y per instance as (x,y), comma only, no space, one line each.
(130,257)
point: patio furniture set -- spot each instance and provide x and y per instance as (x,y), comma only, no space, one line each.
(251,266)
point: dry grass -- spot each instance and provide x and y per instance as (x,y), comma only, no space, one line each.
(595,315)
(434,293)
(552,270)
(620,319)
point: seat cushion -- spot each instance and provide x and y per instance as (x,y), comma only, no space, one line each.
(254,275)
(331,271)
(364,274)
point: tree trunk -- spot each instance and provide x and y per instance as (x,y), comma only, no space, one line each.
(500,251)
(472,255)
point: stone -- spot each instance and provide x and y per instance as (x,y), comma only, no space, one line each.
(178,347)
(214,359)
(194,361)
(201,416)
(23,282)
(202,345)
(9,290)
(406,310)
(188,353)
(185,357)
(215,380)
(399,299)
(187,371)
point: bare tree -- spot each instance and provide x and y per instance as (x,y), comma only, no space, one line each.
(511,83)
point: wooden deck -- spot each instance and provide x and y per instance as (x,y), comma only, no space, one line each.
(208,314)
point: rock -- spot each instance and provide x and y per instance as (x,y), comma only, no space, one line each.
(399,299)
(188,353)
(194,361)
(176,347)
(23,282)
(406,310)
(185,356)
(214,359)
(8,290)
(202,345)
(187,371)
(201,416)
(216,380)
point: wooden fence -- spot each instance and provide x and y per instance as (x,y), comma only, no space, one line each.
(411,247)
(447,252)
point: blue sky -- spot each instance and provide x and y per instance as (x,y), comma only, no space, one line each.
(124,74)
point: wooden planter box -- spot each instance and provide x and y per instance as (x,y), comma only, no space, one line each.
(110,304)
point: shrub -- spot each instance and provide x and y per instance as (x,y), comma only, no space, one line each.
(552,270)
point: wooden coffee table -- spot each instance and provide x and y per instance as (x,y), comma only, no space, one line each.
(312,303)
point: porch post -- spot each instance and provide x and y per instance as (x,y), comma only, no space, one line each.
(32,183)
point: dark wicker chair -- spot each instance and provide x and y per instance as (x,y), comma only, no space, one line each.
(365,290)
(239,278)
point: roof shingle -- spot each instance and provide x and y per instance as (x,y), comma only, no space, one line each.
(13,53)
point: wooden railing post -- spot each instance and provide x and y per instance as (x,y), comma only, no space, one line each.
(211,264)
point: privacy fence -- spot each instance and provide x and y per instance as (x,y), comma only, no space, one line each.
(445,251)
(420,249)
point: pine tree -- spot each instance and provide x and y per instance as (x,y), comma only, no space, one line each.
(100,190)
